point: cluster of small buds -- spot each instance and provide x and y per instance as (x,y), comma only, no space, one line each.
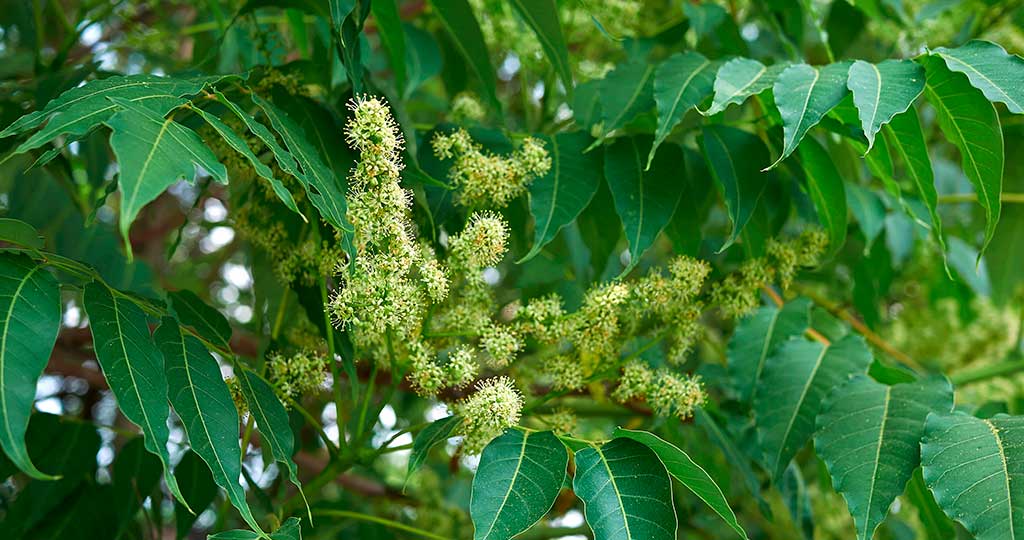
(296,374)
(739,293)
(596,325)
(544,319)
(668,393)
(493,408)
(273,78)
(501,343)
(487,180)
(565,372)
(236,395)
(562,421)
(674,394)
(466,109)
(462,367)
(482,243)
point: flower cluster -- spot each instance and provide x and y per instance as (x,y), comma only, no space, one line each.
(487,180)
(494,407)
(296,374)
(668,393)
(466,109)
(739,293)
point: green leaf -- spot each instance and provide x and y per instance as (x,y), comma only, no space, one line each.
(868,436)
(389,25)
(30,311)
(825,187)
(757,335)
(152,153)
(19,233)
(625,92)
(80,109)
(272,421)
(290,530)
(325,191)
(190,310)
(689,473)
(733,156)
(733,455)
(197,486)
(626,492)
(793,489)
(239,145)
(644,200)
(990,69)
(740,78)
(422,57)
(869,210)
(796,380)
(133,367)
(884,90)
(457,17)
(905,138)
(935,523)
(136,473)
(542,17)
(518,479)
(972,466)
(568,187)
(437,432)
(206,409)
(804,95)
(682,81)
(970,122)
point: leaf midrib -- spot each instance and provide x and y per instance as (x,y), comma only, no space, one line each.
(1006,475)
(799,404)
(878,454)
(511,486)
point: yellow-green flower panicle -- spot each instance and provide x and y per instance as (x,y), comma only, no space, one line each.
(487,180)
(482,243)
(295,375)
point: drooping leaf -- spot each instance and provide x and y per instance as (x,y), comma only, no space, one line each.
(732,156)
(235,141)
(207,412)
(796,499)
(644,200)
(197,486)
(998,74)
(804,95)
(519,476)
(625,92)
(19,233)
(422,57)
(561,194)
(796,379)
(733,455)
(869,210)
(626,492)
(203,318)
(136,473)
(437,432)
(825,187)
(389,25)
(757,335)
(869,435)
(78,110)
(457,17)
(542,18)
(324,189)
(970,122)
(972,466)
(152,153)
(681,82)
(740,78)
(689,473)
(936,525)
(30,316)
(134,368)
(272,421)
(884,90)
(905,138)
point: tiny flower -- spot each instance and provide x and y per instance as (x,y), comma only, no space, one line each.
(461,368)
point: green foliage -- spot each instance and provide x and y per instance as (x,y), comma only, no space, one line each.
(480,269)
